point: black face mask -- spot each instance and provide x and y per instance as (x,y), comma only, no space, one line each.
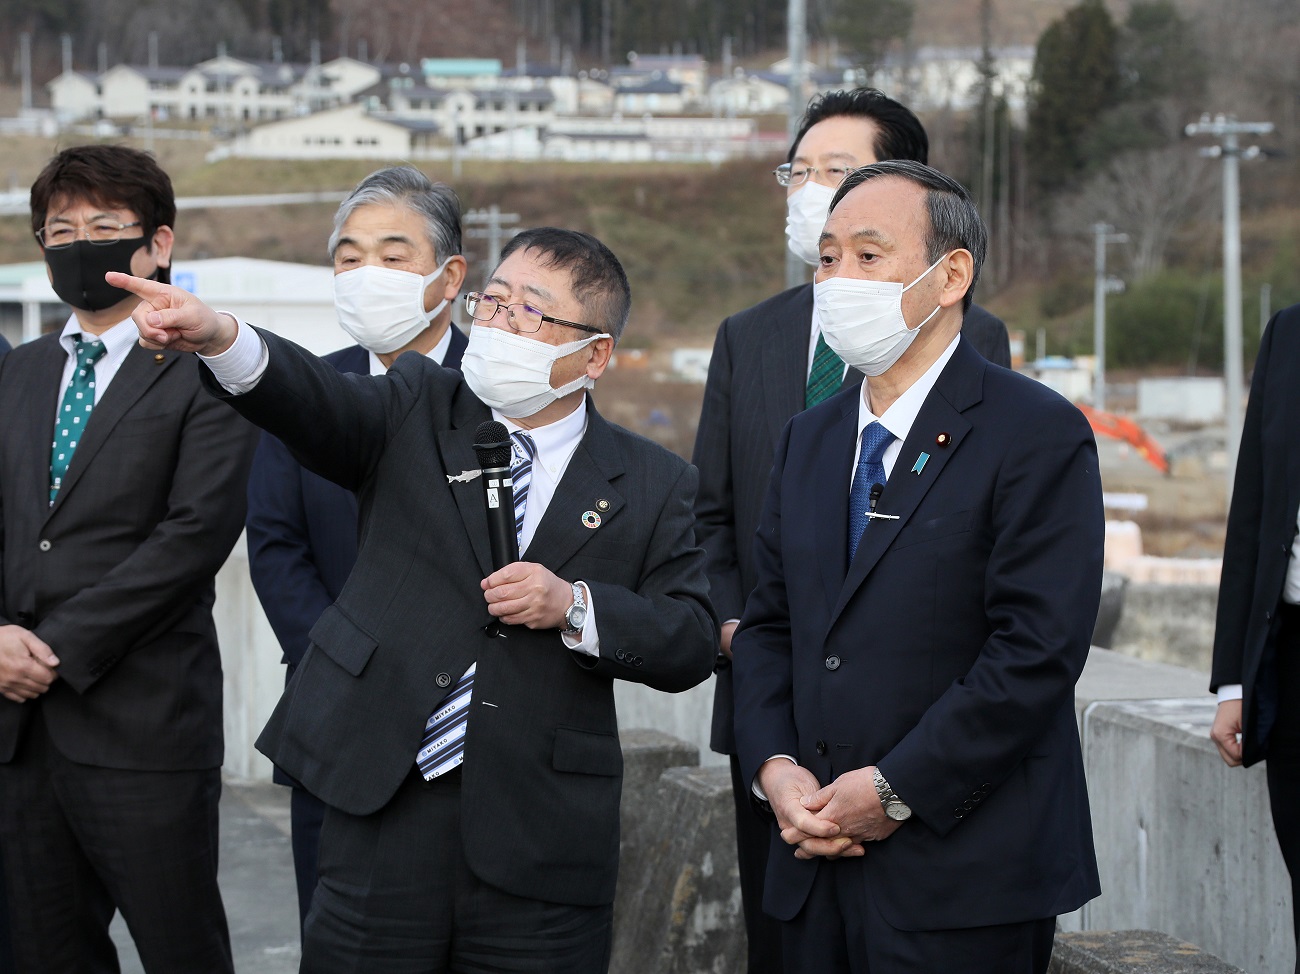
(77,272)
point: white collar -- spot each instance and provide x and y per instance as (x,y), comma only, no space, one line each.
(900,416)
(438,353)
(555,441)
(117,340)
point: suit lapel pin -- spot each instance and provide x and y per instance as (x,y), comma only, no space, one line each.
(943,439)
(464,477)
(920,463)
(602,505)
(159,358)
(591,519)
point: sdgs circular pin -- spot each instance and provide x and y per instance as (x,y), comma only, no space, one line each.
(591,519)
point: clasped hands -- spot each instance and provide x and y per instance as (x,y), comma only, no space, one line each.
(834,821)
(27,664)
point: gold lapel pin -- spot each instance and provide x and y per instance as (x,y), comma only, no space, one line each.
(159,358)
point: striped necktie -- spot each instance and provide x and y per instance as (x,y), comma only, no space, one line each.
(521,475)
(443,745)
(826,376)
(74,411)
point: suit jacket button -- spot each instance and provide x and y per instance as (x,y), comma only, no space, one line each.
(45,544)
(618,654)
(443,680)
(832,663)
(959,812)
(821,747)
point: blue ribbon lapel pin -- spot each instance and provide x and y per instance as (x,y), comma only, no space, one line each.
(920,463)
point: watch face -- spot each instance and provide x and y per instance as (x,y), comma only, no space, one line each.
(577,616)
(898,811)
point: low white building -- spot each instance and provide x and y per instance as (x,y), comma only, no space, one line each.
(292,300)
(749,94)
(651,96)
(931,78)
(340,133)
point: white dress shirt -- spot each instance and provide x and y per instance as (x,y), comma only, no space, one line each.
(118,342)
(437,353)
(240,367)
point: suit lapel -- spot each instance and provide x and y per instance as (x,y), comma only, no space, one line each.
(139,371)
(833,532)
(785,362)
(42,389)
(562,531)
(957,389)
(456,447)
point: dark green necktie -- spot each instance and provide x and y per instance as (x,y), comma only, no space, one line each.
(826,376)
(74,412)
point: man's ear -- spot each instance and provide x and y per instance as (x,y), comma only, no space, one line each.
(602,350)
(160,247)
(959,273)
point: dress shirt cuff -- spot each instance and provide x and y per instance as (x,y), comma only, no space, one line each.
(240,367)
(587,639)
(1230,691)
(758,791)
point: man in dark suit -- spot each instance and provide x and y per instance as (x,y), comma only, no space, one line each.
(929,570)
(473,781)
(1256,669)
(111,726)
(302,529)
(768,364)
(6,942)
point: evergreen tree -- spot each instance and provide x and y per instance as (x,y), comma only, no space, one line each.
(1076,79)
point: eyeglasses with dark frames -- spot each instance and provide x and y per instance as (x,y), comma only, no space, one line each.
(522,318)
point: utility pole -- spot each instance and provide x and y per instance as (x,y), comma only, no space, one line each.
(1226,128)
(796,271)
(493,225)
(66,43)
(25,66)
(1103,234)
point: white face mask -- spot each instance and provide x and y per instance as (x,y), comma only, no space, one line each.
(863,320)
(512,373)
(382,308)
(806,211)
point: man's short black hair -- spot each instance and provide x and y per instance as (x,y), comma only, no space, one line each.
(899,133)
(954,220)
(110,176)
(599,283)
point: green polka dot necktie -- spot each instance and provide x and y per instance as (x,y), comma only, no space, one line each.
(74,412)
(826,376)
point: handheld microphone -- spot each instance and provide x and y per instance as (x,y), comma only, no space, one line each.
(872,499)
(493,448)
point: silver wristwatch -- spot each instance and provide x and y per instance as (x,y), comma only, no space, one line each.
(894,806)
(576,617)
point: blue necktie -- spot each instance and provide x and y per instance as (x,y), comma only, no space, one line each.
(443,745)
(871,471)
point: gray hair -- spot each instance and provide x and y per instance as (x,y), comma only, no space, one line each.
(954,221)
(406,186)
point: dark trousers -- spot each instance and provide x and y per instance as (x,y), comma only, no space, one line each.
(306,814)
(840,931)
(396,897)
(81,841)
(753,840)
(1282,761)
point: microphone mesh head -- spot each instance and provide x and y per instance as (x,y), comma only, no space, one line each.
(492,445)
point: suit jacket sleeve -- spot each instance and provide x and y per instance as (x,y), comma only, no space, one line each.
(334,424)
(280,559)
(763,664)
(988,333)
(665,626)
(715,505)
(1241,545)
(1043,587)
(161,578)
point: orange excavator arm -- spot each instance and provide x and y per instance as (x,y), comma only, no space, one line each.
(1123,428)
